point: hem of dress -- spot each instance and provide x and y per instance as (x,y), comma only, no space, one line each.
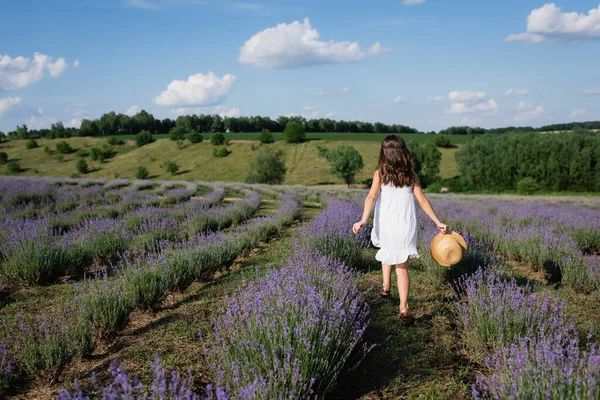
(389,257)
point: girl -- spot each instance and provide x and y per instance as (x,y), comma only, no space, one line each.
(395,187)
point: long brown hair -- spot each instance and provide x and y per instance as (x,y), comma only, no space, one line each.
(395,162)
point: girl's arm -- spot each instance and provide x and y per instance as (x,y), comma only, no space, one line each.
(369,203)
(426,205)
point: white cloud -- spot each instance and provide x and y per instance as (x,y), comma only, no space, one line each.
(257,8)
(198,90)
(530,114)
(401,100)
(591,91)
(133,110)
(548,23)
(19,72)
(516,92)
(464,96)
(412,2)
(330,114)
(74,123)
(297,45)
(222,111)
(488,107)
(159,4)
(40,122)
(322,93)
(468,101)
(8,103)
(346,89)
(523,105)
(578,112)
(310,112)
(142,4)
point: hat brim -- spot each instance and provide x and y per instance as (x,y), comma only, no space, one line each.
(438,238)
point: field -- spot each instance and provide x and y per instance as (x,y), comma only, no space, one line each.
(105,280)
(304,165)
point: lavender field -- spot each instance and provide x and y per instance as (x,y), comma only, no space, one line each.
(139,289)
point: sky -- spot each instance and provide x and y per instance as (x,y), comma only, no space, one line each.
(428,64)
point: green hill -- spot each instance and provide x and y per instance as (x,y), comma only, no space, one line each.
(196,161)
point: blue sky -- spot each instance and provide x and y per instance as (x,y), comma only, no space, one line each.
(429,65)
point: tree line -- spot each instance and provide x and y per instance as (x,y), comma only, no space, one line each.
(572,126)
(555,162)
(111,124)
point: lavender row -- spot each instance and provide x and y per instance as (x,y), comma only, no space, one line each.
(102,306)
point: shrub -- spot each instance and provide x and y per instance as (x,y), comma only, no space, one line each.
(63,147)
(195,137)
(60,157)
(442,141)
(82,153)
(345,162)
(220,152)
(267,167)
(177,133)
(3,158)
(149,287)
(142,173)
(217,139)
(114,141)
(13,167)
(47,150)
(106,307)
(31,144)
(101,153)
(294,132)
(266,137)
(172,167)
(527,186)
(143,138)
(82,166)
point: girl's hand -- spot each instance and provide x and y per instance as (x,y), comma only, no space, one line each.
(357,227)
(442,227)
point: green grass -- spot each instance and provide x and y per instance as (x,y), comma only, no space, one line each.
(196,161)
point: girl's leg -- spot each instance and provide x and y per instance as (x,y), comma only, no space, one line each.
(403,285)
(387,276)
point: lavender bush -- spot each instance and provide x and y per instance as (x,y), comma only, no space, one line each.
(7,365)
(495,311)
(290,334)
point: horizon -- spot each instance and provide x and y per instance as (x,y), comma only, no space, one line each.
(347,61)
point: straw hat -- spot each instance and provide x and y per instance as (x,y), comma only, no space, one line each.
(448,248)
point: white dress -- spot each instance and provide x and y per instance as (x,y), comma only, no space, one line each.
(395,225)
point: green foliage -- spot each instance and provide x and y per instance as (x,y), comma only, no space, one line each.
(60,157)
(267,167)
(426,161)
(63,147)
(527,186)
(82,166)
(143,138)
(3,157)
(31,144)
(442,141)
(13,167)
(47,150)
(569,161)
(101,153)
(294,132)
(217,139)
(172,167)
(88,128)
(220,152)
(345,162)
(149,287)
(114,141)
(106,309)
(266,137)
(82,153)
(142,173)
(177,133)
(195,137)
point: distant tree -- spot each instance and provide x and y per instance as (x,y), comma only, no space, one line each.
(266,137)
(22,132)
(108,124)
(13,167)
(2,136)
(294,132)
(58,130)
(63,147)
(82,153)
(143,138)
(31,144)
(442,141)
(217,124)
(172,167)
(177,133)
(195,137)
(3,158)
(114,141)
(345,162)
(220,152)
(527,186)
(267,166)
(432,161)
(82,166)
(142,173)
(88,128)
(217,139)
